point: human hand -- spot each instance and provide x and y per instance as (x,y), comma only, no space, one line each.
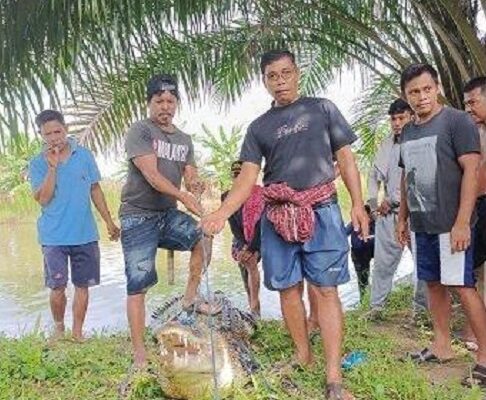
(113,231)
(360,221)
(384,208)
(402,232)
(191,203)
(53,155)
(213,223)
(460,237)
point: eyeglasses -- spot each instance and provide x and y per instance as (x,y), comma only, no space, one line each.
(286,74)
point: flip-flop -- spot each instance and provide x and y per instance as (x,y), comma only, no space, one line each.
(215,307)
(336,391)
(470,345)
(426,356)
(477,377)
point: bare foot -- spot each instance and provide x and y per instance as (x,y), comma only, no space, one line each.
(304,361)
(58,332)
(139,359)
(335,391)
(79,339)
(443,353)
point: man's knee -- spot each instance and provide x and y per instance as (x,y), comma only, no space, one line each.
(58,293)
(325,292)
(136,299)
(293,293)
(464,292)
(434,286)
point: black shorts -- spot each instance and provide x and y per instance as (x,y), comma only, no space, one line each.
(479,254)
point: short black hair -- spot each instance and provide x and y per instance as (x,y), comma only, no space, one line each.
(48,115)
(474,83)
(399,106)
(275,55)
(415,70)
(160,83)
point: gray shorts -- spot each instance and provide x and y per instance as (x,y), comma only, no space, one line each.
(84,260)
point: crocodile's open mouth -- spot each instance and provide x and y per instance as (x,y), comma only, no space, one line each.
(183,351)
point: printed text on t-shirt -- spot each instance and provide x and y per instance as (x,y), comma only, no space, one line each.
(170,151)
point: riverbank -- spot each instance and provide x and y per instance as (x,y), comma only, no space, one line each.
(31,368)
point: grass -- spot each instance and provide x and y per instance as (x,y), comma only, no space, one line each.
(31,368)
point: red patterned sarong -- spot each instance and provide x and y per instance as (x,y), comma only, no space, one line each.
(290,211)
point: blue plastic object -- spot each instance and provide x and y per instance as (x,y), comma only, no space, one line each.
(353,359)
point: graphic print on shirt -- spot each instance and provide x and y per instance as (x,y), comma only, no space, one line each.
(170,151)
(420,160)
(298,126)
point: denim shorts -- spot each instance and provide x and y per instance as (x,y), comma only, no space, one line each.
(322,260)
(85,265)
(142,234)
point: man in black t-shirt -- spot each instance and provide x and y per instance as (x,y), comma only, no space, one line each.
(303,235)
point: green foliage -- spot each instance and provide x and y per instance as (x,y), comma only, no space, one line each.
(370,117)
(30,368)
(15,192)
(223,148)
(14,162)
(94,61)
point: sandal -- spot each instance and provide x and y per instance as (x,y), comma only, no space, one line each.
(476,377)
(204,307)
(336,391)
(426,356)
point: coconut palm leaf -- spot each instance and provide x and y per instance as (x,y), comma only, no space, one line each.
(58,52)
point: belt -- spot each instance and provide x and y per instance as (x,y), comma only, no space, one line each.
(330,200)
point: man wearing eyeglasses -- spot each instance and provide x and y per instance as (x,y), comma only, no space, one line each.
(303,235)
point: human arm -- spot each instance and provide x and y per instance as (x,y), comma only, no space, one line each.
(461,231)
(44,192)
(467,147)
(402,230)
(147,165)
(351,178)
(98,198)
(239,193)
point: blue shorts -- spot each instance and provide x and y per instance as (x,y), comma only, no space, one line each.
(435,262)
(142,234)
(84,260)
(322,260)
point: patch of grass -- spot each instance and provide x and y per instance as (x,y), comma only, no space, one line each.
(30,368)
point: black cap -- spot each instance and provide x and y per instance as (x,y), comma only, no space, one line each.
(162,83)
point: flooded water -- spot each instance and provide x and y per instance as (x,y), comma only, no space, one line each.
(24,299)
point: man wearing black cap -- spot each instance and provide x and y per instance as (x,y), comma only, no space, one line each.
(160,156)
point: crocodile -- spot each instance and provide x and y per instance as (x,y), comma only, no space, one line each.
(200,356)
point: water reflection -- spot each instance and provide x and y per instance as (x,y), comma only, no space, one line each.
(24,299)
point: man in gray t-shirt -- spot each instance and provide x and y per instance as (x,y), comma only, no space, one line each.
(298,138)
(160,156)
(440,157)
